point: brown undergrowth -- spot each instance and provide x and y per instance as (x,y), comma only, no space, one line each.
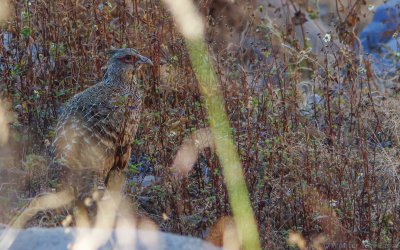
(327,170)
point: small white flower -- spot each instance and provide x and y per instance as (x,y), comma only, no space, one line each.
(366,243)
(362,70)
(327,38)
(333,203)
(371,7)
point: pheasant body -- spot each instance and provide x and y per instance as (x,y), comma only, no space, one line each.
(95,130)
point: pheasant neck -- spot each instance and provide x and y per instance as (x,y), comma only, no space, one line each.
(120,79)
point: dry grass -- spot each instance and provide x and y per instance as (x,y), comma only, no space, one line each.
(328,175)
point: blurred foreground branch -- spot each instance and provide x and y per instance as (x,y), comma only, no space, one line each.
(188,20)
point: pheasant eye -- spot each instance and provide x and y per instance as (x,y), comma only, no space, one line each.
(129,59)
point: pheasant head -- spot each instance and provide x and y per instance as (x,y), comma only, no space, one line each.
(123,65)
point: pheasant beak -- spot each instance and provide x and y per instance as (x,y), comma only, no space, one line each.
(145,60)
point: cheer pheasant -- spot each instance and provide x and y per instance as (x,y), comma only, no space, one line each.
(95,130)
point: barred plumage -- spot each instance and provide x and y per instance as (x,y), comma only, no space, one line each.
(95,130)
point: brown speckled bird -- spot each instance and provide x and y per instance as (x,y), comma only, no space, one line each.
(95,130)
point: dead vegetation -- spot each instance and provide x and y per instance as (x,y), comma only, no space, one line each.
(327,169)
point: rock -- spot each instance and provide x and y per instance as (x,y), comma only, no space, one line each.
(61,239)
(380,40)
(148,181)
(382,27)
